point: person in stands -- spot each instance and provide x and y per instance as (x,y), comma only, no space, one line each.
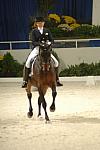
(36,35)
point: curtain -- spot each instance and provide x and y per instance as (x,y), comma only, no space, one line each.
(79,9)
(83,11)
(15,14)
(14,19)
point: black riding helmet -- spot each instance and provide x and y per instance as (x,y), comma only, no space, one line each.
(39,19)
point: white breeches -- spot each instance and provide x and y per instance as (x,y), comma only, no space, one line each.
(34,53)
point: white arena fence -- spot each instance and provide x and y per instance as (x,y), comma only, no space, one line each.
(70,52)
(72,43)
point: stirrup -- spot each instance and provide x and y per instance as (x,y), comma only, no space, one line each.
(24,84)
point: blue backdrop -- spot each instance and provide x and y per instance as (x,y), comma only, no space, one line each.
(15,14)
(79,9)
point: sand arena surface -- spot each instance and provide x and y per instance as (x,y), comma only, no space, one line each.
(75,125)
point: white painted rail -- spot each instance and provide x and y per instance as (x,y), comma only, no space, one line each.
(70,40)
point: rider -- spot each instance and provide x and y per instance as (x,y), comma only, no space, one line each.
(36,35)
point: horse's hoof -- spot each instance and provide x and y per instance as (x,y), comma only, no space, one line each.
(52,108)
(48,121)
(40,117)
(47,118)
(30,114)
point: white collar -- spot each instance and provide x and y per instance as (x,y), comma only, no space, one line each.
(40,28)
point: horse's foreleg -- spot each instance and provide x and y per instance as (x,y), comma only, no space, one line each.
(30,113)
(39,106)
(54,93)
(44,105)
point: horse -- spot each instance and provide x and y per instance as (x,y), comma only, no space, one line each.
(43,77)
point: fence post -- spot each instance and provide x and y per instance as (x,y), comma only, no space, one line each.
(76,43)
(10,46)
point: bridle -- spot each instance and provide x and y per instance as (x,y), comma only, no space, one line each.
(45,55)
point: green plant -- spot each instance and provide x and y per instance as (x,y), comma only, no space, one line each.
(57,32)
(10,67)
(83,69)
(87,31)
(50,23)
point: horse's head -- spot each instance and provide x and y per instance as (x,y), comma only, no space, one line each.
(45,53)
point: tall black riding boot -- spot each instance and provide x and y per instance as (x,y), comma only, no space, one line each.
(57,78)
(26,72)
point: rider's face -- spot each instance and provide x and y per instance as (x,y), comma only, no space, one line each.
(40,24)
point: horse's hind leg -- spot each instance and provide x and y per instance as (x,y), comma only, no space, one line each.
(30,113)
(54,93)
(29,95)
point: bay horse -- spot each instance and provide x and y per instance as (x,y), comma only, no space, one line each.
(44,76)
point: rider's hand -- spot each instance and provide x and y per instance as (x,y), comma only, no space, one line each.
(49,43)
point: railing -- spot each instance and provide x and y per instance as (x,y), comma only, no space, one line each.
(76,42)
(13,42)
